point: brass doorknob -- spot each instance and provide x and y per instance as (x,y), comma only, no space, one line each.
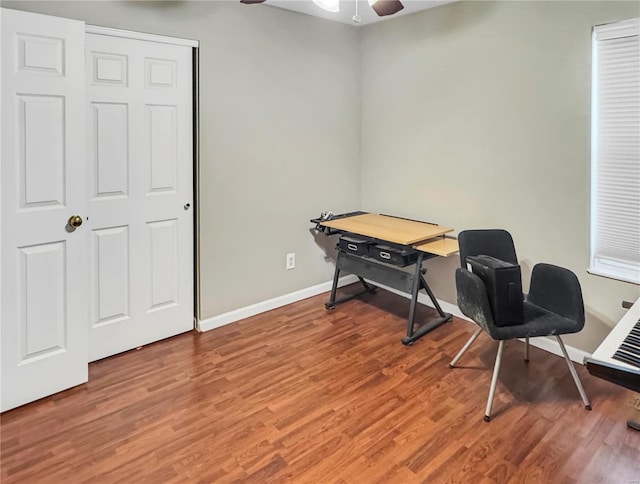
(75,221)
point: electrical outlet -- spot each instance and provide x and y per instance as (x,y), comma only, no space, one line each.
(291,261)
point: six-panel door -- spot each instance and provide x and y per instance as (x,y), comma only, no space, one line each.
(45,291)
(139,116)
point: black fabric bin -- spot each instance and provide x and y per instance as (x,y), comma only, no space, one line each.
(398,256)
(504,288)
(354,245)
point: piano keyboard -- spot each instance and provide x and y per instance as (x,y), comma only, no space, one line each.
(612,344)
(629,350)
(617,359)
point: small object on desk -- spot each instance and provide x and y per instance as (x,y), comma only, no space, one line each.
(326,216)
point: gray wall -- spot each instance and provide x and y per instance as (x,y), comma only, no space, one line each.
(477,115)
(473,114)
(280,135)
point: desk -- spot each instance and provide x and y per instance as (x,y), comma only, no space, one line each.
(426,239)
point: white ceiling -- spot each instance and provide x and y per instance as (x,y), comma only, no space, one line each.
(348,9)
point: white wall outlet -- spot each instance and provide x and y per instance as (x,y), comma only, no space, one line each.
(291,261)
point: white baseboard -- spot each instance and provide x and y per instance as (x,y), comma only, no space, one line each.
(269,304)
(546,344)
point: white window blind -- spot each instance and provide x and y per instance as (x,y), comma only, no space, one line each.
(615,155)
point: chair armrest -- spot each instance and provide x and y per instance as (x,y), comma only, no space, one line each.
(472,298)
(557,290)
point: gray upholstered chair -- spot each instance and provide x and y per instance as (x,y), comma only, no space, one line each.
(553,306)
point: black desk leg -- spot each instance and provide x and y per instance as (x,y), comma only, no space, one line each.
(420,283)
(336,275)
(408,340)
(368,288)
(432,296)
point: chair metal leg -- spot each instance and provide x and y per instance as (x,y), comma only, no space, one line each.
(474,336)
(494,381)
(526,350)
(574,374)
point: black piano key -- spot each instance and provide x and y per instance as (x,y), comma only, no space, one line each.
(630,349)
(626,359)
(630,335)
(632,340)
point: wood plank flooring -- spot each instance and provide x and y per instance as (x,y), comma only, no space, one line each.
(305,395)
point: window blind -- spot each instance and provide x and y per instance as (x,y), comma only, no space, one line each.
(615,138)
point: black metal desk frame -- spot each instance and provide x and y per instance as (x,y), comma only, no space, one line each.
(392,276)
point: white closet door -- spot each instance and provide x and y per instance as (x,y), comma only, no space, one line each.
(139,97)
(44,262)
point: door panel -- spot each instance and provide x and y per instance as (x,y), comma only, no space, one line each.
(41,150)
(111,157)
(43,313)
(163,242)
(40,54)
(44,265)
(111,284)
(160,73)
(140,123)
(163,142)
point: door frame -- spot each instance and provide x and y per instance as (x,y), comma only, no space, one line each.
(195,45)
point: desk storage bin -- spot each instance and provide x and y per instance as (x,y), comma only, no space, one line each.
(398,256)
(354,245)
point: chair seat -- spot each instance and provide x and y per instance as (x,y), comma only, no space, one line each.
(537,322)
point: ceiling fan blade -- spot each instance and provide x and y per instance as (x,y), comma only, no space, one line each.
(387,7)
(249,2)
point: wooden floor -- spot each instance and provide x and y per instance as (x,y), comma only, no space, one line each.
(302,394)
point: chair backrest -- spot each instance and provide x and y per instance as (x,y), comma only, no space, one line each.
(497,243)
